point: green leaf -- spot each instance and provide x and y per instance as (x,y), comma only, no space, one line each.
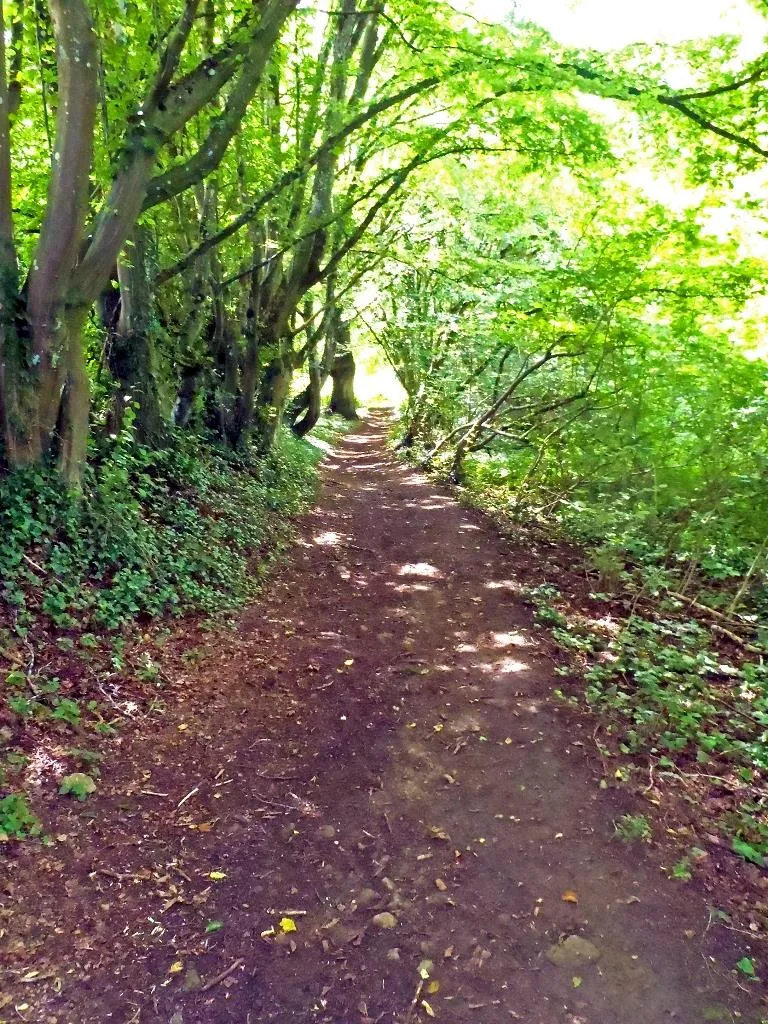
(78,784)
(747,967)
(747,851)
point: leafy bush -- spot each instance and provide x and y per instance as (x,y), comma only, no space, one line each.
(156,531)
(16,819)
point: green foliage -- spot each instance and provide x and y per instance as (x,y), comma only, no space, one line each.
(633,828)
(78,785)
(747,968)
(669,693)
(682,870)
(157,531)
(17,820)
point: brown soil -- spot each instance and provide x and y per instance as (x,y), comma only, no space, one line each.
(378,736)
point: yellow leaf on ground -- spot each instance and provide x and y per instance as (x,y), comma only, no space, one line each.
(433,986)
(176,968)
(217,876)
(287,924)
(569,896)
(427,1008)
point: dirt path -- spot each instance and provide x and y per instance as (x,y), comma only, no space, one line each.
(378,739)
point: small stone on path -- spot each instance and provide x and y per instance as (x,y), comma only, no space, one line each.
(573,951)
(192,980)
(366,898)
(385,920)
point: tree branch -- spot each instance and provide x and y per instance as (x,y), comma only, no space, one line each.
(8,261)
(211,151)
(62,231)
(291,176)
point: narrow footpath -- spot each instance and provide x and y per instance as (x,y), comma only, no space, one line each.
(365,805)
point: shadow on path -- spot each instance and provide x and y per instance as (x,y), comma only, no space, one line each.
(405,789)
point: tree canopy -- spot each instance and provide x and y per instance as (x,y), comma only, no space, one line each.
(198,201)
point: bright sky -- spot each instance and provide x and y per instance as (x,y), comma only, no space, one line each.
(612,24)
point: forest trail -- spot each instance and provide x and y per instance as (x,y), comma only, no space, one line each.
(376,757)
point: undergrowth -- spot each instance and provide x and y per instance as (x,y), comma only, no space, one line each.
(680,685)
(674,698)
(188,530)
(155,532)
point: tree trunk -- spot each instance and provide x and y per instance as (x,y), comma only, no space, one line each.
(43,373)
(273,397)
(189,389)
(46,406)
(310,401)
(343,401)
(131,351)
(249,376)
(307,407)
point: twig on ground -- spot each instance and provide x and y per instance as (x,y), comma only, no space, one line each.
(414,1002)
(736,639)
(274,803)
(707,610)
(189,796)
(223,974)
(34,565)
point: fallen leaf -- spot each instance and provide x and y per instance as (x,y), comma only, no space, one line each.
(183,727)
(176,968)
(427,1008)
(569,896)
(287,924)
(433,987)
(747,967)
(576,982)
(440,884)
(213,926)
(217,876)
(448,953)
(349,661)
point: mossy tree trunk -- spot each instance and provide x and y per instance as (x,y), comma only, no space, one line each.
(343,401)
(131,356)
(45,390)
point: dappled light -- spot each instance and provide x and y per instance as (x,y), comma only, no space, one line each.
(502,585)
(503,667)
(412,588)
(510,640)
(329,538)
(419,569)
(384,562)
